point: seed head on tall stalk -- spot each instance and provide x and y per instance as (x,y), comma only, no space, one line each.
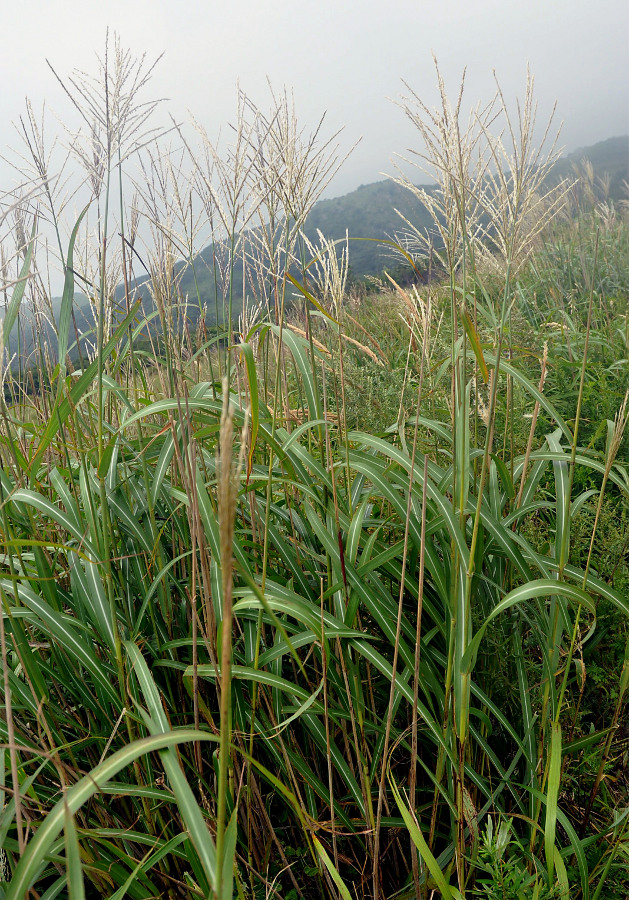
(46,193)
(165,200)
(115,125)
(290,169)
(456,158)
(486,200)
(46,172)
(169,195)
(228,186)
(295,167)
(516,197)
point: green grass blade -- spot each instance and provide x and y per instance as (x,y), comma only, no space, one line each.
(552,794)
(65,405)
(74,871)
(67,300)
(28,867)
(229,856)
(254,402)
(18,291)
(447,891)
(327,862)
(299,349)
(187,805)
(474,339)
(507,369)
(149,861)
(65,629)
(541,587)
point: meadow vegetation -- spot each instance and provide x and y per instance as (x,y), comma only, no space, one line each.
(332,602)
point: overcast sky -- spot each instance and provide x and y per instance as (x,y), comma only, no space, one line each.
(342,57)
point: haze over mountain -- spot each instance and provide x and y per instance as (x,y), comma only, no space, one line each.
(375,212)
(346,59)
(368,215)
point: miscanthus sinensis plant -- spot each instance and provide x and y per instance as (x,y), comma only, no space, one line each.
(247,652)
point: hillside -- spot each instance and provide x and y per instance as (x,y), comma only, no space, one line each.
(367,214)
(610,157)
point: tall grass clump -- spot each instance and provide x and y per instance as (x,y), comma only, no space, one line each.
(250,649)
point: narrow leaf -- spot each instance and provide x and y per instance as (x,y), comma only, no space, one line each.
(67,301)
(472,336)
(74,872)
(48,832)
(554,780)
(336,878)
(18,290)
(447,891)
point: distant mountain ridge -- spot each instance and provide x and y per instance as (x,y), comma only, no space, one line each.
(610,156)
(368,215)
(369,211)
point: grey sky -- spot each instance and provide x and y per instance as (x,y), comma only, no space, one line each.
(343,57)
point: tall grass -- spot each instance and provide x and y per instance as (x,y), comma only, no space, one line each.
(249,651)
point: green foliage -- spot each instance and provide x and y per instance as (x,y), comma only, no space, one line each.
(306,614)
(503,862)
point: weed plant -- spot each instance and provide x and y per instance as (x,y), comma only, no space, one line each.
(270,629)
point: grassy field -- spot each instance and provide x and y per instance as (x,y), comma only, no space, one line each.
(334,604)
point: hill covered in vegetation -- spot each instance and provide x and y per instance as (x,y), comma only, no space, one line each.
(375,213)
(369,216)
(339,609)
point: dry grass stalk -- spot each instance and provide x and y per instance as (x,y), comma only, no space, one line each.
(515,194)
(228,477)
(294,167)
(108,104)
(228,185)
(457,159)
(616,431)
